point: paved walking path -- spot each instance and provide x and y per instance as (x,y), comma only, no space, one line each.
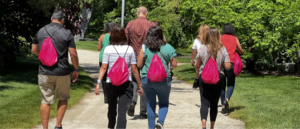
(184,109)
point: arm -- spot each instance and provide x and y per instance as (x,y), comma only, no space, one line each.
(35,49)
(100,42)
(227,65)
(194,52)
(173,62)
(136,75)
(197,67)
(102,71)
(239,47)
(74,59)
(140,61)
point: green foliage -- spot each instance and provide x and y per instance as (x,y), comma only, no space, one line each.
(164,11)
(265,28)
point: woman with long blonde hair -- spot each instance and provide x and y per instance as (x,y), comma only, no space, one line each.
(198,42)
(210,93)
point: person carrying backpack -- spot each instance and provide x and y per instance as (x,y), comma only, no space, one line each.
(119,61)
(154,58)
(232,44)
(211,60)
(103,41)
(52,44)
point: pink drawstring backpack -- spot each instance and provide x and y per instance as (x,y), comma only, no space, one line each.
(210,73)
(119,73)
(238,64)
(48,54)
(156,72)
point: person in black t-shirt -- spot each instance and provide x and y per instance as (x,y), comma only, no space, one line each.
(57,77)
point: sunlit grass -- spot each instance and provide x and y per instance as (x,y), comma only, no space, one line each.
(21,97)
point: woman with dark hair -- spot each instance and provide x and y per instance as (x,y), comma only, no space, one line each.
(154,44)
(118,47)
(210,93)
(232,44)
(103,41)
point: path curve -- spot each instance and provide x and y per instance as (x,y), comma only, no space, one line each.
(184,108)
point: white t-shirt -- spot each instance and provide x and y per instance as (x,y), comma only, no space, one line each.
(197,44)
(110,56)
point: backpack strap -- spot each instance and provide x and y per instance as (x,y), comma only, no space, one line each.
(118,52)
(164,57)
(52,36)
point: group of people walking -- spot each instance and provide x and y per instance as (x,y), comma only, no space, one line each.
(139,45)
(222,49)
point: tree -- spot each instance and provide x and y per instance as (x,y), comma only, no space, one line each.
(265,28)
(21,19)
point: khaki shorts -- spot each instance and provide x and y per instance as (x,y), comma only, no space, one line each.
(48,84)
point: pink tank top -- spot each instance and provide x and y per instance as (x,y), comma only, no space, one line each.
(229,42)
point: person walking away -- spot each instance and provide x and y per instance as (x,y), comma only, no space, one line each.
(136,32)
(56,78)
(232,44)
(210,93)
(158,24)
(103,42)
(118,95)
(154,44)
(198,42)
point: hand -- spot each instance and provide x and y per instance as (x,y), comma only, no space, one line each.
(193,62)
(141,89)
(97,92)
(75,75)
(171,68)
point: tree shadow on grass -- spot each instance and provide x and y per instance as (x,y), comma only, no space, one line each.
(24,71)
(191,70)
(2,88)
(232,109)
(83,82)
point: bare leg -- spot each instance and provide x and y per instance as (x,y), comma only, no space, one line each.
(45,112)
(203,123)
(212,124)
(61,109)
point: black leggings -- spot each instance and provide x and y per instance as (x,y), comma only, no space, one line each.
(103,83)
(210,95)
(123,93)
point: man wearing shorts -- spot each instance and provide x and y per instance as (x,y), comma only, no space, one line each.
(54,81)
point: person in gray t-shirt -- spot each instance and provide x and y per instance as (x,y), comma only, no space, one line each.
(56,78)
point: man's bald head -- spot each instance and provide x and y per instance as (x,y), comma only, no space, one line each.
(142,11)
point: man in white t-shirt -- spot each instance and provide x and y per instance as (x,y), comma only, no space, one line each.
(196,46)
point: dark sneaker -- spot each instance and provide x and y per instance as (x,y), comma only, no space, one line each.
(223,111)
(58,127)
(226,104)
(130,111)
(143,116)
(158,126)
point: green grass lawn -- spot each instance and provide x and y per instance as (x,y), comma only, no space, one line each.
(260,101)
(183,59)
(87,45)
(21,98)
(184,51)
